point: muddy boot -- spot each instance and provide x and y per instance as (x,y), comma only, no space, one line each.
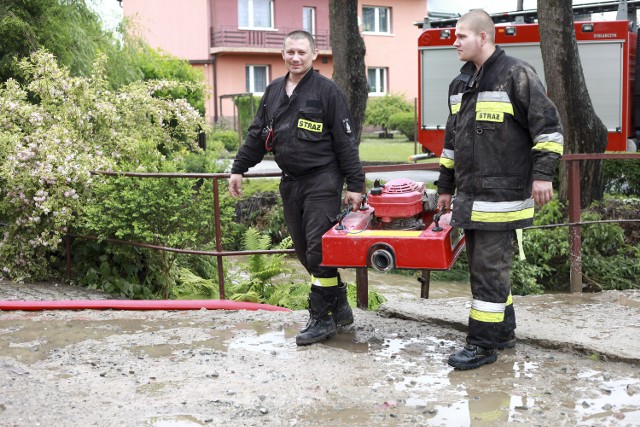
(472,357)
(320,325)
(342,313)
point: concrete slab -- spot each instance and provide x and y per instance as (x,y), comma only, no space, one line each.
(606,324)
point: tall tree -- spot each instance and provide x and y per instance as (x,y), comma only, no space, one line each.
(66,28)
(348,58)
(74,34)
(584,132)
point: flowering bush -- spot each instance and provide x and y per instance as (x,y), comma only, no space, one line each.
(54,130)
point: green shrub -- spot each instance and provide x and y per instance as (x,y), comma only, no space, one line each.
(211,160)
(524,278)
(405,123)
(622,176)
(608,262)
(247,107)
(168,212)
(380,109)
(55,130)
(158,65)
(546,249)
(192,286)
(119,270)
(229,139)
(261,208)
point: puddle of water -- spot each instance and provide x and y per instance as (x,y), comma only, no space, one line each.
(345,340)
(270,342)
(152,388)
(175,421)
(400,286)
(609,400)
(32,341)
(605,401)
(157,351)
(632,300)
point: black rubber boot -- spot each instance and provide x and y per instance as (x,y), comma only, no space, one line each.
(342,313)
(472,357)
(320,325)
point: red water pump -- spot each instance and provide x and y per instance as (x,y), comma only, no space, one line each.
(398,226)
(402,204)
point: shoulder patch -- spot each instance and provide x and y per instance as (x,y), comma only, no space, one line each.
(346,126)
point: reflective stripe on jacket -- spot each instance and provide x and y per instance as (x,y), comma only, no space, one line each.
(502,133)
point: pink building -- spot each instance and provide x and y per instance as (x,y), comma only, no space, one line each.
(238,43)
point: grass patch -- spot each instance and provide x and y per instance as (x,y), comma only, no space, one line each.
(389,151)
(251,186)
(386,150)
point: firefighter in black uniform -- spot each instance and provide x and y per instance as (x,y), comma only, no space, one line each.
(502,142)
(304,120)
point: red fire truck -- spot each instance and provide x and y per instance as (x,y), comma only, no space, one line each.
(607,52)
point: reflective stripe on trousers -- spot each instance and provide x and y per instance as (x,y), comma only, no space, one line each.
(490,255)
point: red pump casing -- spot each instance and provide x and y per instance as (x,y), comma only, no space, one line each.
(395,230)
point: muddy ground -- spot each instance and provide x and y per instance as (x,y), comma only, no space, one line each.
(212,367)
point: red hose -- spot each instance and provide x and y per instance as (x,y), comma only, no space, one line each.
(115,304)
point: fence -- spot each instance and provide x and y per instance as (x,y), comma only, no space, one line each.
(573,163)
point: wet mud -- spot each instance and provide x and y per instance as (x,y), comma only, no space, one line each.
(198,368)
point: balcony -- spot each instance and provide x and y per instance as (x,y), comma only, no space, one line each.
(232,37)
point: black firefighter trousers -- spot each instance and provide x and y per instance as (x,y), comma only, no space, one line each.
(311,207)
(492,317)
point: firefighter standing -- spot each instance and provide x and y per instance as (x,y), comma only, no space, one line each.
(304,120)
(502,142)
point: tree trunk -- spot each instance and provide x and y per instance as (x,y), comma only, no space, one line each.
(348,51)
(584,132)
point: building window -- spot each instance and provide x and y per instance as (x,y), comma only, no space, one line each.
(255,13)
(377,78)
(309,20)
(257,77)
(376,19)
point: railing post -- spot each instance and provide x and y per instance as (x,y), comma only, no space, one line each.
(362,288)
(425,283)
(575,231)
(216,207)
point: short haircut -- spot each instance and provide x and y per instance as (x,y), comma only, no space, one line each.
(479,21)
(299,34)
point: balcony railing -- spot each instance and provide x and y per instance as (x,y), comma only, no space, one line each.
(233,37)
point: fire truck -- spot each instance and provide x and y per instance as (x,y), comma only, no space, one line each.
(607,52)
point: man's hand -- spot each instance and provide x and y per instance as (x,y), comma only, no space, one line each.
(444,201)
(542,192)
(235,185)
(353,198)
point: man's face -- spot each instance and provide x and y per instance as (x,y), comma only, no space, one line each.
(468,43)
(298,56)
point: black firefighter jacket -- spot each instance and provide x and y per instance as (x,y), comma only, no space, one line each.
(502,133)
(311,131)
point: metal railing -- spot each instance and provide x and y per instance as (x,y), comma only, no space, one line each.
(573,162)
(219,253)
(575,229)
(229,36)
